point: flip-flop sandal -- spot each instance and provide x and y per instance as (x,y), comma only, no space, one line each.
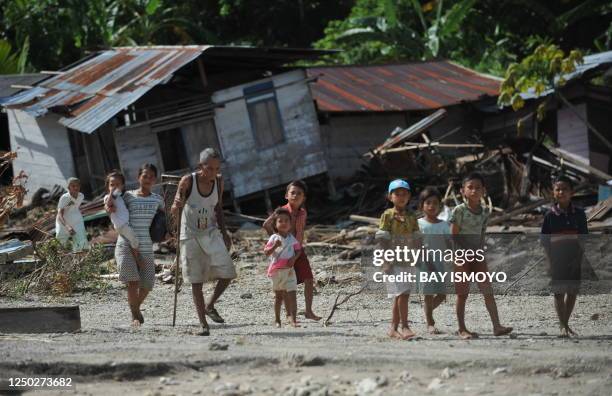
(214,315)
(204,332)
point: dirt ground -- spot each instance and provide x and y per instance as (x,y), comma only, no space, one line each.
(247,355)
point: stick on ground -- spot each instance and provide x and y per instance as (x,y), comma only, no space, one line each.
(344,300)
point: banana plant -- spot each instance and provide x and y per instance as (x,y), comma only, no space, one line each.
(408,29)
(11,62)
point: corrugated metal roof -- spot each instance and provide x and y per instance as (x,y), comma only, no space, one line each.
(95,90)
(7,80)
(398,87)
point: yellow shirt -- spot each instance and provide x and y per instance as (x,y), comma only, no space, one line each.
(396,224)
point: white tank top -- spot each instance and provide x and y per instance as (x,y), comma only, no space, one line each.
(198,215)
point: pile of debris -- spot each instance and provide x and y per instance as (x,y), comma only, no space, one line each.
(518,175)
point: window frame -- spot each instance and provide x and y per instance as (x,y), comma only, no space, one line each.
(261,93)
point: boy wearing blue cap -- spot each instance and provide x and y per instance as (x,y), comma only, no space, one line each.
(398,225)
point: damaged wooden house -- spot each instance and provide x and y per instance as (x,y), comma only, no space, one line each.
(123,107)
(360,106)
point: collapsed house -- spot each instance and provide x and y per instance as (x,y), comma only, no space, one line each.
(123,107)
(11,84)
(359,106)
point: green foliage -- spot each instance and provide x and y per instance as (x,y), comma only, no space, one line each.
(60,272)
(541,71)
(378,31)
(64,31)
(486,34)
(10,62)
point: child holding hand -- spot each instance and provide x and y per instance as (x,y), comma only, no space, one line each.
(69,224)
(120,217)
(296,198)
(398,225)
(283,250)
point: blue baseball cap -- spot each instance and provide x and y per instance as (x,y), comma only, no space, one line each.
(398,183)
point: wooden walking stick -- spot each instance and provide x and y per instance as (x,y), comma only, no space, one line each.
(169,182)
(177,263)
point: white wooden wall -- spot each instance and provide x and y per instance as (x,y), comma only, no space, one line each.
(299,156)
(137,146)
(572,133)
(198,136)
(43,150)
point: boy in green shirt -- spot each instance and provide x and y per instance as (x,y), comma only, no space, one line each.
(470,221)
(398,225)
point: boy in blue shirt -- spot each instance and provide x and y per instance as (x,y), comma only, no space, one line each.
(560,237)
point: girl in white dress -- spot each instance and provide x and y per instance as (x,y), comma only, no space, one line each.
(435,234)
(69,224)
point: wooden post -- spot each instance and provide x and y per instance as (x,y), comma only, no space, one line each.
(177,263)
(331,187)
(268,201)
(202,73)
(236,206)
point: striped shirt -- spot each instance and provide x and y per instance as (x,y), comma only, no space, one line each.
(142,210)
(298,222)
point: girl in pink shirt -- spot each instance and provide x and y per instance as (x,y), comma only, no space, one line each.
(283,250)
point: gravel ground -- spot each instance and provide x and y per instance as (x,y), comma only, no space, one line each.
(247,355)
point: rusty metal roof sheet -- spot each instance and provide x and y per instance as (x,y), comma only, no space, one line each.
(93,91)
(97,88)
(398,87)
(7,81)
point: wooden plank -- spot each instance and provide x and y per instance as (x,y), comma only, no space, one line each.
(580,164)
(59,319)
(365,219)
(413,130)
(14,249)
(22,266)
(518,211)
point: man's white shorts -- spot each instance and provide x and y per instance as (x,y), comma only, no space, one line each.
(284,279)
(205,258)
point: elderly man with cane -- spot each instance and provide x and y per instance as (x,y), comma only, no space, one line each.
(203,240)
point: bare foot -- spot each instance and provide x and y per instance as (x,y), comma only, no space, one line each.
(501,330)
(294,323)
(278,324)
(431,329)
(407,333)
(563,333)
(571,332)
(311,315)
(139,317)
(135,323)
(393,333)
(466,335)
